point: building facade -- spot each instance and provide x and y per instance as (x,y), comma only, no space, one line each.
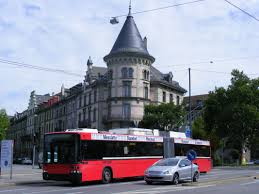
(109,97)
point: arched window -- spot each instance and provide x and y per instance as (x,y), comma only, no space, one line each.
(131,72)
(147,76)
(124,72)
(144,74)
(110,75)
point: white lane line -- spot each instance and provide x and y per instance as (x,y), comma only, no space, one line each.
(201,178)
(74,193)
(249,183)
(162,189)
(85,187)
(11,190)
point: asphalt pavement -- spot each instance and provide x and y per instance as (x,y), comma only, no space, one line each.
(220,180)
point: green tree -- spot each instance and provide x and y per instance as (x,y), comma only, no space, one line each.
(163,116)
(198,129)
(4,123)
(233,113)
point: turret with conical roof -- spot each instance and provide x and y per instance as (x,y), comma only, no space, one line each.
(128,77)
(129,42)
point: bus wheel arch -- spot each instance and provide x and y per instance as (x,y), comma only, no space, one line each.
(107,175)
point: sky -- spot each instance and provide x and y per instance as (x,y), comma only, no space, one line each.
(62,34)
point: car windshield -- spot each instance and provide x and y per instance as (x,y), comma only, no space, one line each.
(167,162)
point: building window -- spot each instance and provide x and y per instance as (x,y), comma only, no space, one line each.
(199,103)
(84,100)
(126,112)
(164,96)
(109,110)
(145,75)
(95,96)
(89,98)
(124,72)
(177,100)
(84,114)
(109,91)
(131,72)
(146,92)
(79,117)
(80,101)
(126,90)
(89,114)
(94,116)
(171,98)
(110,75)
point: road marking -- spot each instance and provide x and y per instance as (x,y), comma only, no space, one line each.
(84,187)
(74,193)
(21,174)
(11,190)
(162,189)
(243,184)
(201,178)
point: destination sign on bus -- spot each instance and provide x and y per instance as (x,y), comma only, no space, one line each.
(111,137)
(191,141)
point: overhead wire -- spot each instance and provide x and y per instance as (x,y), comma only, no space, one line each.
(211,61)
(160,8)
(245,12)
(25,65)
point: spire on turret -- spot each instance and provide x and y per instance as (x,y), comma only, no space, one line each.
(129,9)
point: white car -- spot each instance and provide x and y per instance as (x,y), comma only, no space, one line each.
(172,170)
(26,161)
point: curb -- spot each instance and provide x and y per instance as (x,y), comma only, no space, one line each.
(222,181)
(7,184)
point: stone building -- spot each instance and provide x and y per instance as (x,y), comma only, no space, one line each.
(109,97)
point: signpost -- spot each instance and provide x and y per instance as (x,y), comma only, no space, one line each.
(188,132)
(7,155)
(191,155)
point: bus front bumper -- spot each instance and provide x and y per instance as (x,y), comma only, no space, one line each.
(72,177)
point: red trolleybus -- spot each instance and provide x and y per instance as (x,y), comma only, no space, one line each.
(86,155)
(182,145)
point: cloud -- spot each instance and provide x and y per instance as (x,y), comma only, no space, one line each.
(62,34)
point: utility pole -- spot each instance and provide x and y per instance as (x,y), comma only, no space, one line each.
(190,121)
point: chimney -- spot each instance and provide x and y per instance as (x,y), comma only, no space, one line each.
(145,42)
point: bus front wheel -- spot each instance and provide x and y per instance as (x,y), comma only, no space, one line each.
(107,175)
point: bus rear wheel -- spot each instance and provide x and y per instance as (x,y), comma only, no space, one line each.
(107,176)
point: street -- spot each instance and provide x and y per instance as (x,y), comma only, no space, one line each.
(227,180)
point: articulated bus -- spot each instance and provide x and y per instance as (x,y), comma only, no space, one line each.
(83,155)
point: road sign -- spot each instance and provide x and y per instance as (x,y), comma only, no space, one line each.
(6,153)
(191,155)
(188,132)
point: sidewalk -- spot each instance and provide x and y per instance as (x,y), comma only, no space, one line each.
(247,167)
(21,173)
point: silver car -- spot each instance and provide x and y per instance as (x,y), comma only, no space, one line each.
(172,170)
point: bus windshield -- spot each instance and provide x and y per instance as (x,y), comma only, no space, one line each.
(61,148)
